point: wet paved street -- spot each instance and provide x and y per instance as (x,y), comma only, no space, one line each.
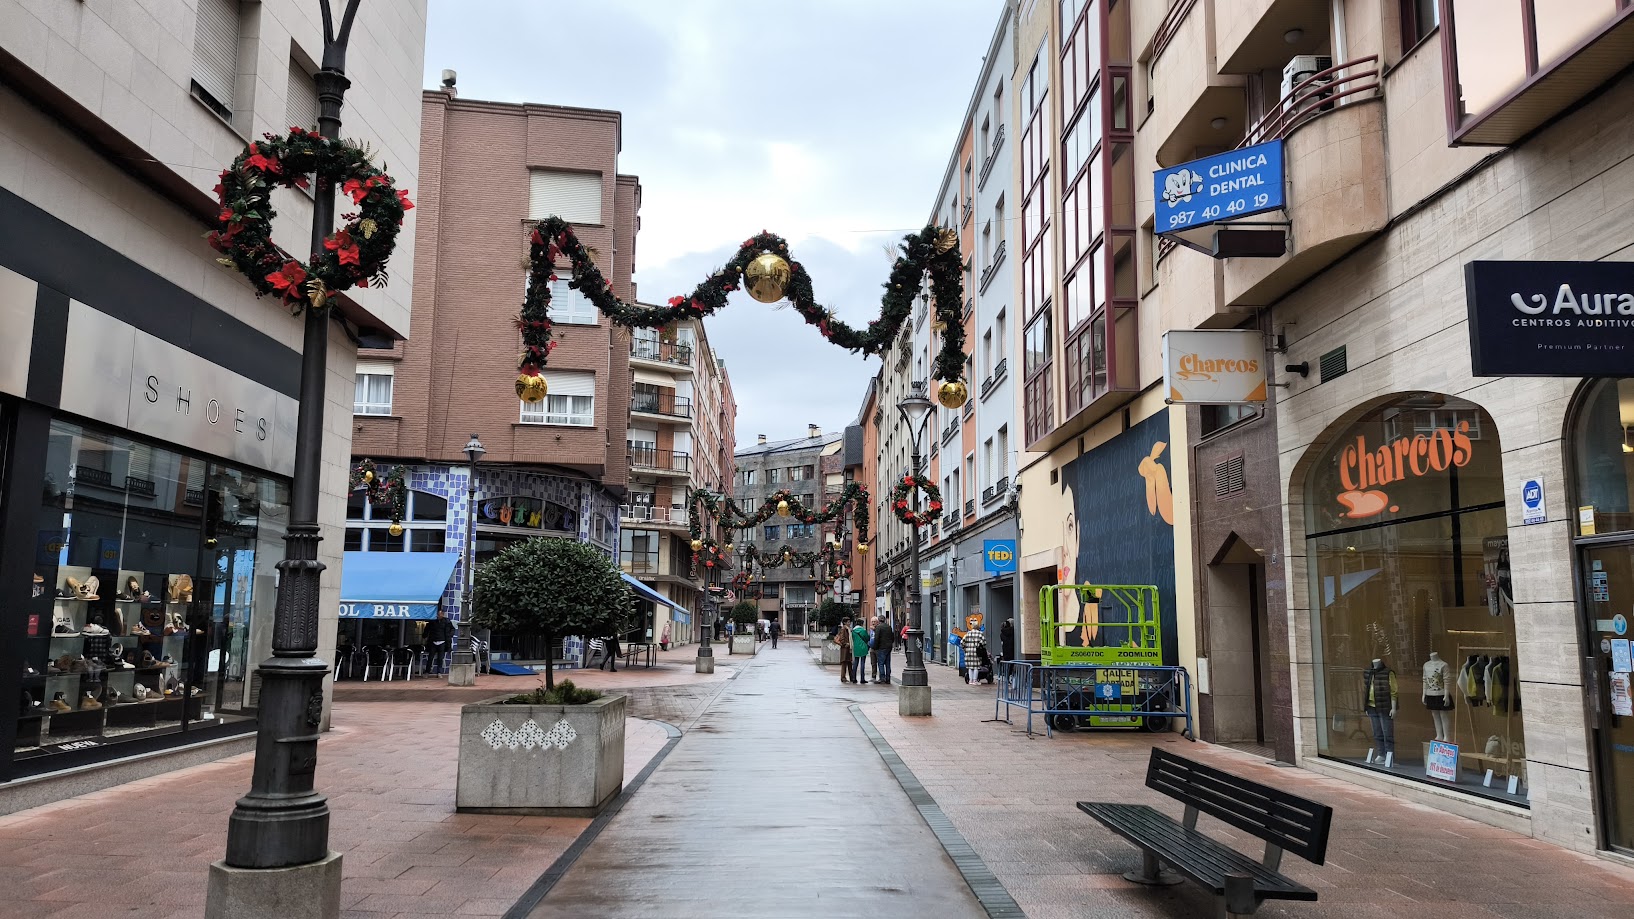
(773,804)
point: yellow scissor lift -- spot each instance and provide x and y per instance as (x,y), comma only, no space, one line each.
(1101,660)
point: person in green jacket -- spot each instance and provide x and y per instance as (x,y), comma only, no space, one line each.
(859,652)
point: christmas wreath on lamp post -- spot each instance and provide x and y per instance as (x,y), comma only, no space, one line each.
(903,507)
(353,256)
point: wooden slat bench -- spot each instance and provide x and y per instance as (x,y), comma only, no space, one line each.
(1287,823)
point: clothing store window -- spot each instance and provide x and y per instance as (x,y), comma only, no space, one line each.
(153,593)
(1413,621)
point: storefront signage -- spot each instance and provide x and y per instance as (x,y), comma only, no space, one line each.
(119,375)
(1220,187)
(1442,763)
(1214,367)
(998,555)
(1364,470)
(1533,510)
(1550,319)
(388,611)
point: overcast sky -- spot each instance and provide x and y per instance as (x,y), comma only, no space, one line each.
(829,122)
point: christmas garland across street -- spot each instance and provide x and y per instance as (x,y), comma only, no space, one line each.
(763,266)
(730,516)
(383,490)
(353,256)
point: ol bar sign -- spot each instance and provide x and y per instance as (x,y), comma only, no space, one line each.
(1551,319)
(1214,367)
(1191,199)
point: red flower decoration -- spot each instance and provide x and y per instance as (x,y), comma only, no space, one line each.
(355,188)
(677,301)
(344,248)
(402,195)
(261,162)
(288,279)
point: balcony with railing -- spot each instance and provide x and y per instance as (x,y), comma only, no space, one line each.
(969,208)
(650,459)
(995,492)
(1332,128)
(672,355)
(662,403)
(1188,92)
(657,516)
(970,507)
(992,269)
(950,522)
(992,157)
(951,429)
(996,377)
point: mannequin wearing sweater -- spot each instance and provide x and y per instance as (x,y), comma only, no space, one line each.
(1379,700)
(1438,694)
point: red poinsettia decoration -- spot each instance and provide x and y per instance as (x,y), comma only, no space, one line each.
(288,278)
(344,247)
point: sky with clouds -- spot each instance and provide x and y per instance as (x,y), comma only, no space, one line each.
(828,122)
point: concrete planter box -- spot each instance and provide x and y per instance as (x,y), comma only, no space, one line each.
(743,644)
(547,760)
(815,639)
(831,653)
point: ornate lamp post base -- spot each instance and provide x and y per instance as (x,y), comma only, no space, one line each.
(912,700)
(706,654)
(310,891)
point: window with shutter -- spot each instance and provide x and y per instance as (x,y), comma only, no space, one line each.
(572,196)
(301,98)
(571,401)
(215,52)
(373,390)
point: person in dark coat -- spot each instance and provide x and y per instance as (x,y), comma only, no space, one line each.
(884,640)
(439,637)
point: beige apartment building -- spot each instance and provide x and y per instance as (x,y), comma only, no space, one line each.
(682,418)
(1411,567)
(559,467)
(148,398)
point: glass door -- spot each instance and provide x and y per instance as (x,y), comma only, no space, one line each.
(1608,602)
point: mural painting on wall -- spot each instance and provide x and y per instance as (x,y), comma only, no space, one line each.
(1120,524)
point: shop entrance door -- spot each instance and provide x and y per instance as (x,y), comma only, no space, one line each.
(1608,598)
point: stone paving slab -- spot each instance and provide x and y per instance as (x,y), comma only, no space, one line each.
(1013,798)
(141,851)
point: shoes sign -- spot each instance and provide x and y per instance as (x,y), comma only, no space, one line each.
(1550,319)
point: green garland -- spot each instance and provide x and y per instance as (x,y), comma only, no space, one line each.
(903,491)
(932,251)
(730,516)
(353,256)
(784,556)
(388,490)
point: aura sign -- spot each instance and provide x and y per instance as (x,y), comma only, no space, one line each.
(1550,318)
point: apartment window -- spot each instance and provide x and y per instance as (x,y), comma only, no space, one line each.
(638,550)
(569,306)
(800,530)
(572,401)
(987,462)
(572,196)
(1418,19)
(216,33)
(300,98)
(998,221)
(774,476)
(987,136)
(1037,353)
(968,188)
(998,336)
(373,392)
(424,524)
(970,470)
(748,476)
(1217,418)
(1002,449)
(772,531)
(987,244)
(801,473)
(987,353)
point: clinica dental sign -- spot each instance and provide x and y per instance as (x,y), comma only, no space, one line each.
(1217,188)
(1550,318)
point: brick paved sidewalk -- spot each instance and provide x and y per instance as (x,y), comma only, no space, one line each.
(1013,799)
(141,851)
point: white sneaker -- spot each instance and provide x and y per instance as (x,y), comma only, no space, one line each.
(92,628)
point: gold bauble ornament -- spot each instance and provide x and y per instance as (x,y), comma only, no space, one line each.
(862,548)
(766,277)
(531,387)
(953,393)
(697,544)
(782,508)
(395,529)
(368,475)
(728,548)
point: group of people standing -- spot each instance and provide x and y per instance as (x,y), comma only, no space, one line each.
(861,642)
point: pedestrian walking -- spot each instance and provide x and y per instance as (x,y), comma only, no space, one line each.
(859,652)
(439,634)
(843,639)
(774,629)
(610,647)
(977,659)
(1007,640)
(884,641)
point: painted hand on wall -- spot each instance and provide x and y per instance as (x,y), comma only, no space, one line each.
(1159,497)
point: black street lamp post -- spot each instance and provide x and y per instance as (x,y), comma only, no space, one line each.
(283,822)
(913,694)
(463,671)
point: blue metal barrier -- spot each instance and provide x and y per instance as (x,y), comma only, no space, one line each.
(1094,695)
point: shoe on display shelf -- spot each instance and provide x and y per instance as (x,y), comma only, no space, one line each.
(59,704)
(92,628)
(89,703)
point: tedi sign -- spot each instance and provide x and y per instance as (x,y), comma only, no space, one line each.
(1551,318)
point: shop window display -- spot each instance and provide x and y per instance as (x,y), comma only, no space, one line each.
(149,570)
(1413,628)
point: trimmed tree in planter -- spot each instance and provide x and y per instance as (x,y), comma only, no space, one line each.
(551,588)
(744,616)
(556,751)
(830,613)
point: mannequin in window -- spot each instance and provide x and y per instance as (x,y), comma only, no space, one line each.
(1379,699)
(1438,694)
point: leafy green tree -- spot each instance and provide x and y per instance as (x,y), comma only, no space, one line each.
(831,612)
(550,588)
(745,613)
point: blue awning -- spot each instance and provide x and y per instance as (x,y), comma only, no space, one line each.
(647,593)
(394,585)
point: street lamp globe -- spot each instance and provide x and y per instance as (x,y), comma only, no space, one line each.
(474,449)
(915,409)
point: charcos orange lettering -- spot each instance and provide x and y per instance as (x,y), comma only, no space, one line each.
(1362,467)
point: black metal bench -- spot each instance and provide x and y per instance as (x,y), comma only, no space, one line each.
(1287,823)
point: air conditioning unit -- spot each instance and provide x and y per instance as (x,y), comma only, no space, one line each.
(1302,68)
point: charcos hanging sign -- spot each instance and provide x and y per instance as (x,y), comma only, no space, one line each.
(1551,319)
